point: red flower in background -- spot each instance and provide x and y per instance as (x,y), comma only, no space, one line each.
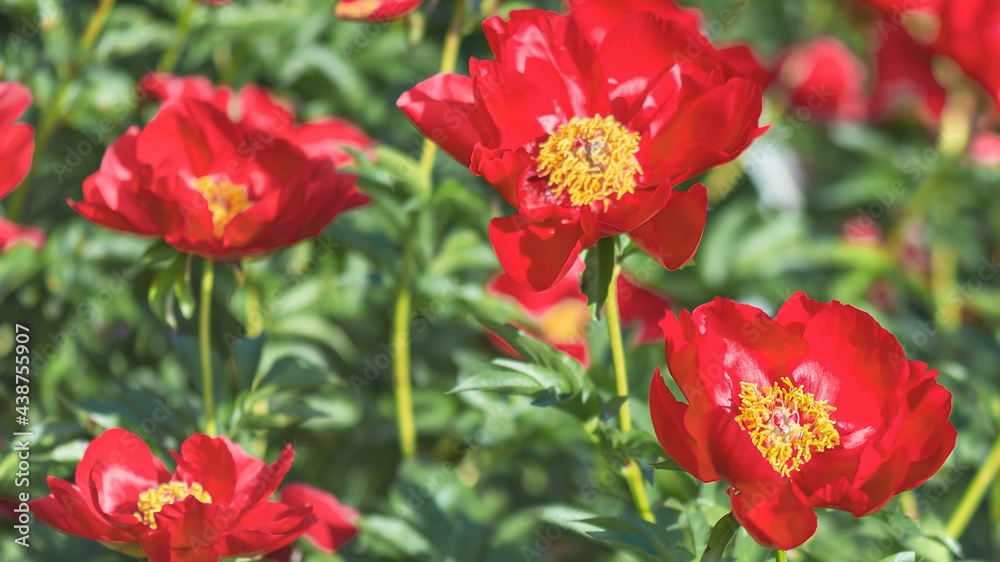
(826,80)
(903,73)
(214,505)
(192,177)
(16,144)
(816,408)
(559,315)
(263,119)
(586,139)
(375,10)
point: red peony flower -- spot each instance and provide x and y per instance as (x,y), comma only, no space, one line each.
(904,73)
(336,524)
(263,119)
(587,138)
(559,315)
(641,307)
(816,408)
(214,505)
(375,10)
(17,141)
(196,179)
(825,80)
(970,34)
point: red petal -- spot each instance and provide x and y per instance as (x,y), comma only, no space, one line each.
(671,237)
(553,53)
(668,416)
(535,255)
(597,17)
(337,523)
(773,516)
(440,107)
(168,87)
(641,307)
(70,510)
(16,140)
(13,234)
(374,10)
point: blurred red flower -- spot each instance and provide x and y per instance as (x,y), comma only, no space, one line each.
(16,143)
(904,73)
(587,138)
(825,81)
(263,119)
(214,505)
(374,10)
(192,177)
(816,408)
(559,315)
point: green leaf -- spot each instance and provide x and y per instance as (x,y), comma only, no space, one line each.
(669,464)
(182,289)
(246,355)
(538,353)
(162,289)
(643,536)
(292,371)
(597,276)
(723,532)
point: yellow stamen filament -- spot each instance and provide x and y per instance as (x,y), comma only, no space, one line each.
(225,200)
(565,322)
(786,424)
(591,160)
(152,501)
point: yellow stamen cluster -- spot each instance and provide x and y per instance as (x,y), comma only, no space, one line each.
(225,200)
(152,501)
(590,159)
(566,321)
(786,424)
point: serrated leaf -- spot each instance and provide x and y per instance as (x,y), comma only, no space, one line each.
(597,276)
(723,532)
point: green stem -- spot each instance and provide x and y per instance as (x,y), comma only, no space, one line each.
(974,494)
(780,556)
(449,57)
(173,53)
(402,379)
(618,350)
(631,471)
(205,342)
(54,114)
